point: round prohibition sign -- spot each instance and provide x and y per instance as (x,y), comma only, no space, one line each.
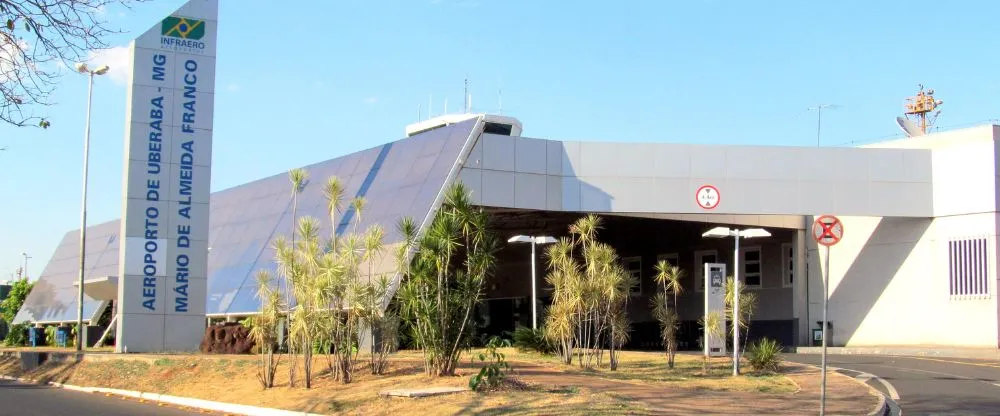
(827,230)
(707,197)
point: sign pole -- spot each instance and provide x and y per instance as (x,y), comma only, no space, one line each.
(827,230)
(826,297)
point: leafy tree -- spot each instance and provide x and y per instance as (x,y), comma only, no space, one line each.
(590,295)
(19,291)
(333,285)
(748,305)
(298,178)
(264,328)
(35,38)
(445,281)
(668,277)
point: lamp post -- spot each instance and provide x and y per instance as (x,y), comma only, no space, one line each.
(24,269)
(83,69)
(533,240)
(722,232)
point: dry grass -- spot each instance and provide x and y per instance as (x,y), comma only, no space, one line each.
(553,388)
(233,379)
(651,368)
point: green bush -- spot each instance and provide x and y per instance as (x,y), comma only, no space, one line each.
(527,339)
(765,355)
(493,373)
(50,335)
(17,336)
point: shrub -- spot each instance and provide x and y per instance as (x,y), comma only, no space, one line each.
(3,328)
(764,355)
(50,335)
(17,336)
(527,339)
(492,374)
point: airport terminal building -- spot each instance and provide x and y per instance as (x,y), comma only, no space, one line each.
(917,264)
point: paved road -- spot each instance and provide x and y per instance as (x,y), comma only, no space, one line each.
(928,386)
(31,400)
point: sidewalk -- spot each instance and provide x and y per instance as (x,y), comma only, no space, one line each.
(927,351)
(844,394)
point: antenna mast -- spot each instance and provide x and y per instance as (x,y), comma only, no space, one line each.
(920,105)
(466,95)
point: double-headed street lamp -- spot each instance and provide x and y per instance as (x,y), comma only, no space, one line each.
(722,232)
(24,269)
(83,69)
(533,240)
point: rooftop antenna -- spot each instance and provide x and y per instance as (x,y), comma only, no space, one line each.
(465,96)
(500,100)
(920,108)
(419,113)
(819,117)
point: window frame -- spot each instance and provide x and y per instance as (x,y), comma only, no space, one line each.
(638,281)
(699,267)
(760,267)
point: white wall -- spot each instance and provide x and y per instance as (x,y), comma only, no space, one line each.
(889,284)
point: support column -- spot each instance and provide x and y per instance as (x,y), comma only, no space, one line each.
(800,287)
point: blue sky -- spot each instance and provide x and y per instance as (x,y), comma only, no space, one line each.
(303,84)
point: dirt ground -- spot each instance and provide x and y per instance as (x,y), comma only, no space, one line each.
(642,385)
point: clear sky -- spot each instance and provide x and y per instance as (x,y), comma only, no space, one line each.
(298,85)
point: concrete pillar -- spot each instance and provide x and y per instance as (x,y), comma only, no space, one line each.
(800,288)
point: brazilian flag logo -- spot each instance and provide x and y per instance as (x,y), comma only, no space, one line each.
(179,27)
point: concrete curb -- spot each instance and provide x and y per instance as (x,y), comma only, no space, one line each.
(882,408)
(965,353)
(231,408)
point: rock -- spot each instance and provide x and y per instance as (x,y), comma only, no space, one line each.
(227,338)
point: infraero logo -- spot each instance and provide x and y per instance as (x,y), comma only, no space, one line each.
(179,27)
(182,34)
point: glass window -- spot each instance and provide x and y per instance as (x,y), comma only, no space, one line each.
(751,273)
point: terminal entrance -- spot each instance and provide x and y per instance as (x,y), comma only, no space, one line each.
(767,269)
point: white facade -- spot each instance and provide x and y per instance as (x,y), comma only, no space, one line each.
(922,281)
(893,279)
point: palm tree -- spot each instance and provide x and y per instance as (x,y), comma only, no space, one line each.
(334,193)
(298,178)
(668,277)
(439,294)
(264,326)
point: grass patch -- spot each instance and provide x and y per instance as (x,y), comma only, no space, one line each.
(565,389)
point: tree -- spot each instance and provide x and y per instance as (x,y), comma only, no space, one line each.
(36,39)
(668,277)
(298,178)
(590,296)
(445,281)
(19,291)
(748,305)
(264,328)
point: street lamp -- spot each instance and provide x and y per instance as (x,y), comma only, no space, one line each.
(83,69)
(533,240)
(722,232)
(25,268)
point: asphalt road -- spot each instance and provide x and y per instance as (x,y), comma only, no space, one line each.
(31,400)
(927,386)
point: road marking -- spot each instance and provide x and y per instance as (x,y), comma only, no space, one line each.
(865,377)
(943,374)
(991,365)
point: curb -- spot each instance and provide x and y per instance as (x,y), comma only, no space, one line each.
(882,408)
(231,408)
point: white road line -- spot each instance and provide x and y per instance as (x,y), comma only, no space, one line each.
(943,374)
(893,394)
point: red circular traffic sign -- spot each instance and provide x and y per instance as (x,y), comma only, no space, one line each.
(827,230)
(707,197)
